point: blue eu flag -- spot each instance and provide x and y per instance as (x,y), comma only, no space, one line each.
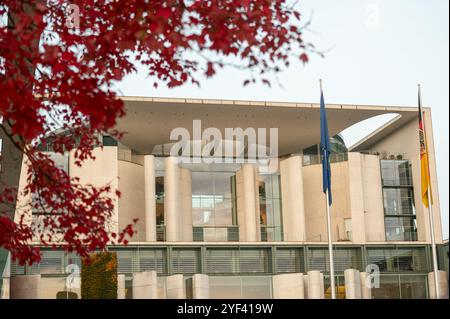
(325,149)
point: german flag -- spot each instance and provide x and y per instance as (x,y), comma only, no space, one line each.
(424,161)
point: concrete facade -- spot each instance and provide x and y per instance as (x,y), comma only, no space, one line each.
(315,285)
(352,284)
(25,287)
(366,287)
(175,287)
(291,172)
(145,285)
(358,210)
(404,141)
(149,198)
(200,286)
(121,289)
(247,204)
(288,286)
(443,285)
(185,219)
(172,202)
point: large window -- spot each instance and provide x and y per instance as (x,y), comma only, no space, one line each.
(389,288)
(398,260)
(212,202)
(396,173)
(344,258)
(243,261)
(401,287)
(61,162)
(290,260)
(398,200)
(130,261)
(185,261)
(413,286)
(213,206)
(52,262)
(159,199)
(152,259)
(270,208)
(400,228)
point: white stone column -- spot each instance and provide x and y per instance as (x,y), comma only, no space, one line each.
(352,284)
(305,286)
(356,192)
(322,285)
(315,285)
(121,290)
(145,285)
(175,287)
(5,289)
(288,286)
(171,200)
(25,287)
(443,285)
(185,212)
(149,197)
(248,210)
(366,287)
(373,199)
(200,286)
(293,199)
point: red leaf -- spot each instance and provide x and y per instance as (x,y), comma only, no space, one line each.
(304,58)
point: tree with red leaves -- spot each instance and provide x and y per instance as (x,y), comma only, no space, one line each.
(58,63)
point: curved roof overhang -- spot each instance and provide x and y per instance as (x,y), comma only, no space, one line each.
(149,121)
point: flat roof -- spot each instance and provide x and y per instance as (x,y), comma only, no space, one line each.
(149,120)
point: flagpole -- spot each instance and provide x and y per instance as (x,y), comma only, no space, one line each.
(433,246)
(330,244)
(430,211)
(330,249)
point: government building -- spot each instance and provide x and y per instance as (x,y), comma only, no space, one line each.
(229,226)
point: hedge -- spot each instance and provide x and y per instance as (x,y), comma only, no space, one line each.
(99,276)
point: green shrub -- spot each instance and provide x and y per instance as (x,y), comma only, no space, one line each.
(99,276)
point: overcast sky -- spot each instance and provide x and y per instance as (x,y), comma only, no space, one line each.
(377,52)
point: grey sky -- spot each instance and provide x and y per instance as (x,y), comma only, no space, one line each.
(379,51)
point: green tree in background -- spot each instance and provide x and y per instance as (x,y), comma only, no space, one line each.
(99,276)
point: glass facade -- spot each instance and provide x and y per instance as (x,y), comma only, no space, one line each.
(212,200)
(338,152)
(238,261)
(396,173)
(270,208)
(398,200)
(290,260)
(401,287)
(245,271)
(391,259)
(159,199)
(62,162)
(240,270)
(40,210)
(214,206)
(344,258)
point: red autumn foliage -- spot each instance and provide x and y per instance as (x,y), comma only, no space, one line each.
(56,74)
